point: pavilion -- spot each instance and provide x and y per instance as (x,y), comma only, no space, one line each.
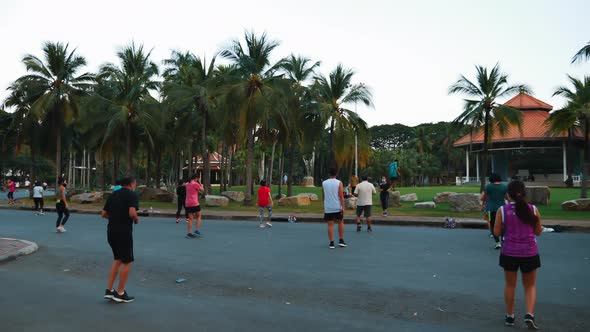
(529,153)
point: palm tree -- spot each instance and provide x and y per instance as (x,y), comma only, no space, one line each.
(482,109)
(583,54)
(58,89)
(423,141)
(132,80)
(255,95)
(336,91)
(575,114)
(190,84)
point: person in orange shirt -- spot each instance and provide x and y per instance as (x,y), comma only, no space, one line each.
(264,202)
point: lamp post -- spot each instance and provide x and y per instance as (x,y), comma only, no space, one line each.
(356,155)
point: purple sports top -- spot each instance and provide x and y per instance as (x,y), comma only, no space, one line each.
(519,238)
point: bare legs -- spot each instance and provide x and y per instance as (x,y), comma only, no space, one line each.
(530,291)
(121,269)
(191,217)
(331,230)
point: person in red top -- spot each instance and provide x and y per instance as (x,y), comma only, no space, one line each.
(192,206)
(11,190)
(264,202)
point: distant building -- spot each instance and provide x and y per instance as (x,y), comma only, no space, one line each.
(530,154)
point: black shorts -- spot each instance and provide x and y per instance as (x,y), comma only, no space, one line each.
(11,195)
(526,264)
(365,208)
(122,245)
(336,216)
(192,209)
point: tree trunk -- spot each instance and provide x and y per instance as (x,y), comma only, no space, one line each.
(484,168)
(586,163)
(281,170)
(205,152)
(291,169)
(272,159)
(33,169)
(158,168)
(128,146)
(189,169)
(333,163)
(57,157)
(230,165)
(103,173)
(249,167)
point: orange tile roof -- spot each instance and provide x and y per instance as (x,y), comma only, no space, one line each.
(523,101)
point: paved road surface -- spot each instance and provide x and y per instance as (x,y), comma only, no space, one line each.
(241,278)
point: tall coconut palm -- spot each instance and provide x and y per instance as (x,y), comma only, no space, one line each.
(190,84)
(575,114)
(482,109)
(583,54)
(334,93)
(255,95)
(59,89)
(133,80)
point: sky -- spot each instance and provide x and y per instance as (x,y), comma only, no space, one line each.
(408,52)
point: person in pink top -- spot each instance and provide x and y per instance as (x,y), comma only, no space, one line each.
(11,190)
(520,223)
(192,206)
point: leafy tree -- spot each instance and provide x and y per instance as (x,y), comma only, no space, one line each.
(391,136)
(583,54)
(482,109)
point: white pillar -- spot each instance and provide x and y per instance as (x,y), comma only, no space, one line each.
(467,164)
(477,167)
(564,161)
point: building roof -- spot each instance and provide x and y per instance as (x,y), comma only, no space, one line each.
(533,127)
(525,102)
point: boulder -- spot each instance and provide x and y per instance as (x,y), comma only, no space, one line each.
(307,182)
(394,199)
(465,202)
(236,196)
(313,197)
(443,197)
(165,197)
(408,198)
(425,205)
(350,203)
(538,195)
(151,194)
(581,204)
(295,201)
(214,200)
(88,198)
(277,196)
(106,195)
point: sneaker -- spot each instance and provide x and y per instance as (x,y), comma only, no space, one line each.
(358,227)
(332,246)
(498,246)
(509,320)
(529,320)
(491,236)
(187,220)
(261,226)
(197,233)
(369,229)
(268,224)
(41,213)
(341,243)
(58,230)
(385,214)
(109,293)
(177,220)
(63,230)
(190,236)
(123,298)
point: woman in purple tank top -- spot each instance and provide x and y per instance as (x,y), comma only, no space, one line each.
(520,223)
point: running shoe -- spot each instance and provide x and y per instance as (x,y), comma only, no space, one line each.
(385,214)
(177,220)
(58,230)
(358,227)
(187,220)
(369,229)
(332,246)
(529,320)
(123,298)
(341,243)
(109,293)
(268,224)
(261,226)
(498,246)
(190,236)
(197,233)
(63,230)
(509,320)
(41,213)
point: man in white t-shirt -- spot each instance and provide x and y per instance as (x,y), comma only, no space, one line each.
(364,191)
(333,197)
(38,198)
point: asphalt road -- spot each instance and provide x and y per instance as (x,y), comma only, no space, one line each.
(242,278)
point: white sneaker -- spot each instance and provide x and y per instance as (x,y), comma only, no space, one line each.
(268,224)
(41,213)
(261,226)
(58,230)
(63,230)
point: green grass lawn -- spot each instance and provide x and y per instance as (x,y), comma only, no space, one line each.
(553,211)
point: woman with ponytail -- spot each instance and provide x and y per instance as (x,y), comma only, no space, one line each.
(520,222)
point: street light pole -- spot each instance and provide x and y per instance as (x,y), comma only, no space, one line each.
(356,153)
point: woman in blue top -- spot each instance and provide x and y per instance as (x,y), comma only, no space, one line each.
(494,197)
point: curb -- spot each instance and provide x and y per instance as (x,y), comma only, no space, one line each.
(349,219)
(30,248)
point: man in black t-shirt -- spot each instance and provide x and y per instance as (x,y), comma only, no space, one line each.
(121,211)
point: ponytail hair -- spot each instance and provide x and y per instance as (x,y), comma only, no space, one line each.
(517,192)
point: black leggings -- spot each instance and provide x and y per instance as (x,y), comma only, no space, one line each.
(384,200)
(38,203)
(492,223)
(61,211)
(180,205)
